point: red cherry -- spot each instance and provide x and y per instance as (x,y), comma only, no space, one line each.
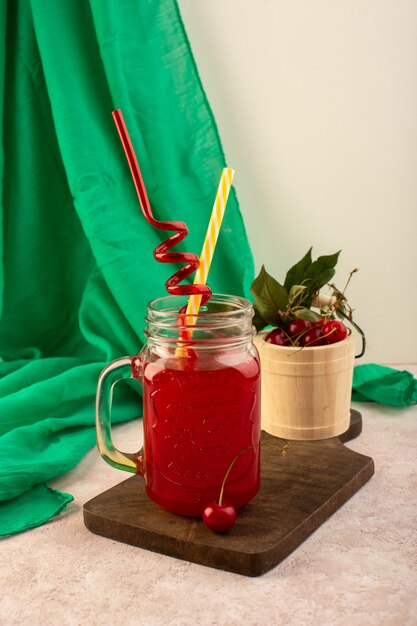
(334,331)
(297,326)
(219,517)
(276,336)
(313,337)
(321,322)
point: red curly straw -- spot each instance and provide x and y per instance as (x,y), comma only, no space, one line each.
(161,253)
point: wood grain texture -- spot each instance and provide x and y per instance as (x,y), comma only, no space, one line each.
(298,493)
(306,393)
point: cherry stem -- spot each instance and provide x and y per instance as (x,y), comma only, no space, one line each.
(255,445)
(348,280)
(331,332)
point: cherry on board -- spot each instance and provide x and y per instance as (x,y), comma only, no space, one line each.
(219,517)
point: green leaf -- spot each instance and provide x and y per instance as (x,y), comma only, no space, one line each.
(307,315)
(321,264)
(341,311)
(258,321)
(322,270)
(270,297)
(320,280)
(295,275)
(296,292)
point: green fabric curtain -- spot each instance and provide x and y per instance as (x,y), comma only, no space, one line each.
(76,264)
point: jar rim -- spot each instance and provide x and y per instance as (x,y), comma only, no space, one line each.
(225,319)
(241,305)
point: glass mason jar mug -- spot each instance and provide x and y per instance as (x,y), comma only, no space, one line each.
(201,404)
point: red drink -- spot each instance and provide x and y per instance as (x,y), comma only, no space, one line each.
(197,420)
(201,405)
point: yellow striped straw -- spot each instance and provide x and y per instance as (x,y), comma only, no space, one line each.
(207,251)
(210,241)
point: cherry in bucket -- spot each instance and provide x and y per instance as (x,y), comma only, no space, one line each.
(313,337)
(277,336)
(299,314)
(297,327)
(334,331)
(219,516)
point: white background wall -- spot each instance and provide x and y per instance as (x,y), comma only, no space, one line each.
(316,104)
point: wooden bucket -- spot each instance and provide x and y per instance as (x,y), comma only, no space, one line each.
(306,393)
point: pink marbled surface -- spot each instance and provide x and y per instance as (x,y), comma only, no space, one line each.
(358,568)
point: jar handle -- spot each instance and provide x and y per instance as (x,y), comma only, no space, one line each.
(114,372)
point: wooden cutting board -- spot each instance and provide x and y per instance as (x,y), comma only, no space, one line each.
(298,493)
